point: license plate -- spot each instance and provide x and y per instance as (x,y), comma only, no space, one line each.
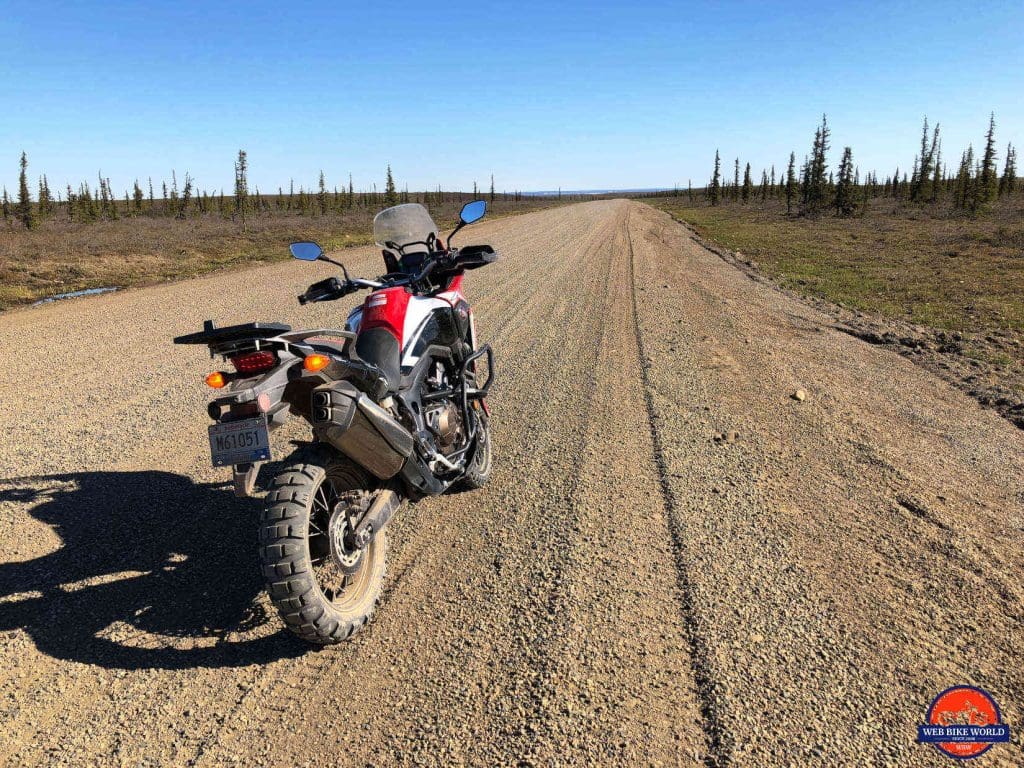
(239,442)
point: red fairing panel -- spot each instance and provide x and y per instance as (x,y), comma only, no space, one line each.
(455,286)
(386,309)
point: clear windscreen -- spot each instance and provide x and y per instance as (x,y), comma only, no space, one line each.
(403,224)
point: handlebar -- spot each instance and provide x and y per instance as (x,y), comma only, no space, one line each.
(332,288)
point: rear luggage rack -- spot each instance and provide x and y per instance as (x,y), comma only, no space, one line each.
(212,335)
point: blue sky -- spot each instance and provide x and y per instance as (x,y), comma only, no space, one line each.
(542,94)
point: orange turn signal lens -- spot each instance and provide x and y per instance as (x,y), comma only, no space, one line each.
(216,380)
(314,363)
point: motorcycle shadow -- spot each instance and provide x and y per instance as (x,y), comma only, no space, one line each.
(154,571)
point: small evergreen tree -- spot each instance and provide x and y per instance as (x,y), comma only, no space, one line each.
(242,185)
(1008,181)
(23,210)
(748,185)
(816,182)
(186,197)
(845,202)
(962,190)
(137,196)
(791,182)
(492,189)
(45,205)
(922,167)
(321,195)
(6,203)
(714,188)
(736,180)
(390,196)
(987,178)
(933,197)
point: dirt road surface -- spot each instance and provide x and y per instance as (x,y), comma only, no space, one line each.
(675,562)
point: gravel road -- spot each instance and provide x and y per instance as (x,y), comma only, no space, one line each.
(676,562)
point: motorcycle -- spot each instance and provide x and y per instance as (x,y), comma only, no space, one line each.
(397,405)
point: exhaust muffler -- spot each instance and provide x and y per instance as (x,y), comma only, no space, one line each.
(350,421)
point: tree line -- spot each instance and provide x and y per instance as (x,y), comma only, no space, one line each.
(813,188)
(90,203)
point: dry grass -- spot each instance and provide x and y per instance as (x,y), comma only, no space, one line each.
(60,256)
(931,268)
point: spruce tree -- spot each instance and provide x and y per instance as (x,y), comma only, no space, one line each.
(736,180)
(817,182)
(790,182)
(1008,181)
(962,190)
(933,197)
(72,202)
(186,197)
(987,178)
(351,193)
(23,210)
(922,167)
(6,203)
(242,185)
(715,187)
(138,197)
(111,201)
(748,185)
(845,201)
(321,195)
(390,196)
(492,189)
(45,205)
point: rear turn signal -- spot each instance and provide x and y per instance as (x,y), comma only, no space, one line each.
(216,380)
(316,363)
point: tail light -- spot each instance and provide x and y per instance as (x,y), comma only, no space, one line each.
(254,362)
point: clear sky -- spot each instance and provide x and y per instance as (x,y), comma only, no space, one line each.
(542,94)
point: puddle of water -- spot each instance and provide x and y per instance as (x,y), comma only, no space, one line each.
(74,295)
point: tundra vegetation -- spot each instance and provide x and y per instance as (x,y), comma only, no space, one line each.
(931,243)
(89,236)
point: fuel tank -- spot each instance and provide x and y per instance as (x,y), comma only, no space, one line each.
(393,327)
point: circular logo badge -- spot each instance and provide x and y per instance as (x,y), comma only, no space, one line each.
(963,722)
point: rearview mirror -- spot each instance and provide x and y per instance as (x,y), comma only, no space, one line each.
(306,251)
(473,211)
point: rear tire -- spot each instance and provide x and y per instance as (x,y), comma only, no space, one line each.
(317,604)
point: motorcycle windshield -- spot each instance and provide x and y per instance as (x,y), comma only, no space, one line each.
(402,225)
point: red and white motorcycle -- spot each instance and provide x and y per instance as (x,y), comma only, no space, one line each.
(397,404)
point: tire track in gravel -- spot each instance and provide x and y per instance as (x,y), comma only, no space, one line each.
(616,661)
(711,708)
